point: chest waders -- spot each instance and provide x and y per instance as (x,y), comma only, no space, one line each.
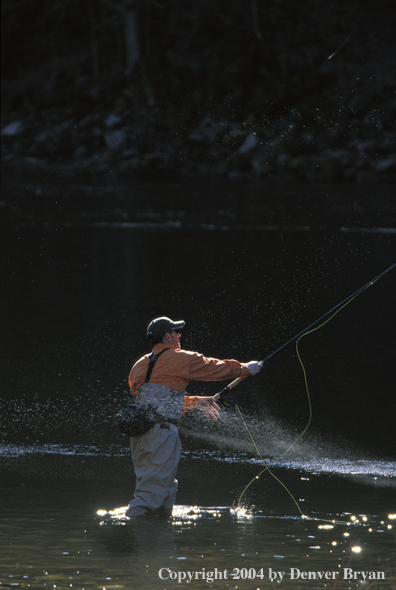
(154,404)
(156,451)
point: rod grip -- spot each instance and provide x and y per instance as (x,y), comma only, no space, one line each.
(217,396)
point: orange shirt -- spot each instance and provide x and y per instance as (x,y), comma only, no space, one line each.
(175,368)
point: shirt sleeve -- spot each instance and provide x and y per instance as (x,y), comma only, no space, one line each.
(210,369)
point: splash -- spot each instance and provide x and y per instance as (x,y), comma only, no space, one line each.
(271,436)
(312,454)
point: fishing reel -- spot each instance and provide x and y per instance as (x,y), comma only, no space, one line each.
(228,398)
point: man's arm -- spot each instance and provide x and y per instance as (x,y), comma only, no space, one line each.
(210,369)
(203,368)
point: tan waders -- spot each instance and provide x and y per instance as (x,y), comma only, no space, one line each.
(156,456)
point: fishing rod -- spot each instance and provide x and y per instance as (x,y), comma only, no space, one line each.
(230,399)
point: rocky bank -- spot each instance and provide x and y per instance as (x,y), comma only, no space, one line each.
(300,112)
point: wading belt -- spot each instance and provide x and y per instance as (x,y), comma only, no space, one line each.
(153,359)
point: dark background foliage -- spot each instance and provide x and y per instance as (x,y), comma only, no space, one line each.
(188,81)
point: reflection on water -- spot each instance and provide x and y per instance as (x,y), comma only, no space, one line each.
(52,534)
(65,549)
(336,466)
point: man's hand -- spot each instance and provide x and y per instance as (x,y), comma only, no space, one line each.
(209,407)
(254,367)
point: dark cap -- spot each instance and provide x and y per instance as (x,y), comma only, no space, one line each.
(160,326)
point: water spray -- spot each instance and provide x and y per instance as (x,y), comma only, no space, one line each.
(229,398)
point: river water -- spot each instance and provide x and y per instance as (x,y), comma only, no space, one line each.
(84,269)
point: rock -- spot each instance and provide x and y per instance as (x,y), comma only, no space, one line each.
(154,162)
(130,153)
(208,130)
(55,134)
(35,162)
(12,129)
(364,147)
(112,120)
(250,143)
(115,140)
(80,152)
(89,121)
(236,174)
(387,165)
(282,161)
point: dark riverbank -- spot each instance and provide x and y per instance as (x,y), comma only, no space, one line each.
(304,92)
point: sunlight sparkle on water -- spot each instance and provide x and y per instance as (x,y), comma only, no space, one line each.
(356,549)
(242,513)
(191,513)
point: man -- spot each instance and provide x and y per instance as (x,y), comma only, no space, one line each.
(162,384)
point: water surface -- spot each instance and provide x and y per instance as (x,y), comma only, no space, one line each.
(84,270)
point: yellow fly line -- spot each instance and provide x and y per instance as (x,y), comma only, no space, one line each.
(305,333)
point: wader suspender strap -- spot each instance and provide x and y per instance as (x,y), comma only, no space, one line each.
(153,358)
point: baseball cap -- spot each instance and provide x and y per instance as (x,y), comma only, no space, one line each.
(160,326)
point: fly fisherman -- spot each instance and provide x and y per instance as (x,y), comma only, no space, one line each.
(156,453)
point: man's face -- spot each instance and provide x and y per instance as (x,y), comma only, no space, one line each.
(173,339)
